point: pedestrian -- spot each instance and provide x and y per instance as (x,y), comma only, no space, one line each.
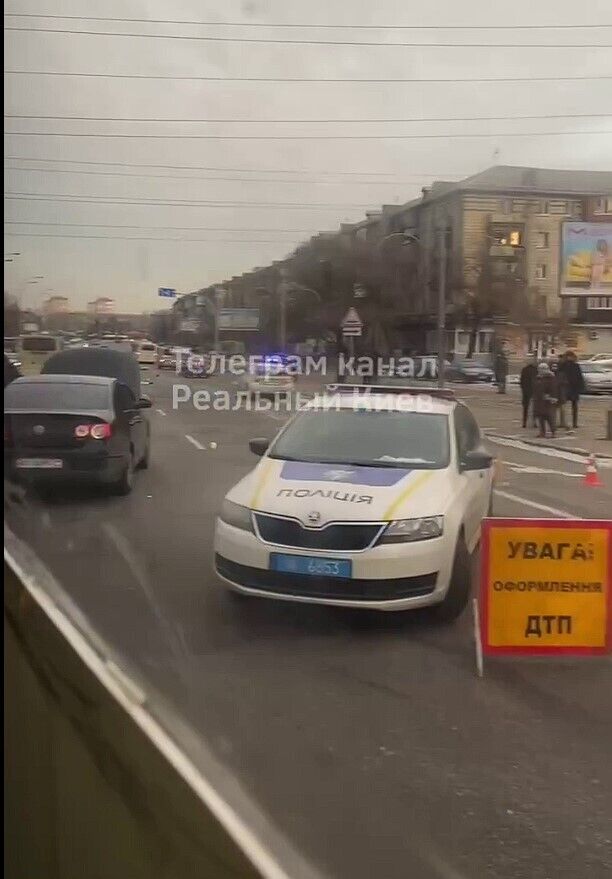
(545,399)
(562,386)
(527,381)
(501,371)
(574,383)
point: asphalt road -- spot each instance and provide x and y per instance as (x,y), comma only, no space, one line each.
(368,740)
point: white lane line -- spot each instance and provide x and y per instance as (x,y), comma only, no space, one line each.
(161,411)
(522,468)
(195,443)
(544,450)
(560,514)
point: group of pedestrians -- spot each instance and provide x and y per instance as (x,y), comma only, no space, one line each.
(548,388)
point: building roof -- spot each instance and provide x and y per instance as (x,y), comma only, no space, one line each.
(544,180)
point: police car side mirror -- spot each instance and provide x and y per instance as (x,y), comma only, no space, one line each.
(259,445)
(477,459)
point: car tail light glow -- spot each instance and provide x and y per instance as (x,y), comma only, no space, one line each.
(100,431)
(95,431)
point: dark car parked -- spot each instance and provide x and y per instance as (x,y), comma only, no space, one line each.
(469,371)
(62,429)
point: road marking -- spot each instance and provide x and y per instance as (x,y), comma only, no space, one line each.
(195,443)
(161,411)
(560,514)
(522,468)
(544,450)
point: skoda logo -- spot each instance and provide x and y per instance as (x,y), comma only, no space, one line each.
(313,517)
(38,429)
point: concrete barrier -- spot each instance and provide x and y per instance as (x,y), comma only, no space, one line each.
(100,779)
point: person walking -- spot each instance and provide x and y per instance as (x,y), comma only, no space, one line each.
(574,383)
(501,371)
(545,399)
(562,386)
(527,381)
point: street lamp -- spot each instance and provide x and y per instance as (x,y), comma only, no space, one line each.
(220,294)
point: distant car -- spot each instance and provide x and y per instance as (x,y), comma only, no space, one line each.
(61,429)
(469,371)
(166,358)
(597,379)
(146,353)
(604,360)
(269,379)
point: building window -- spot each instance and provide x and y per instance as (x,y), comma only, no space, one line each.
(599,303)
(506,236)
(541,272)
(542,239)
(604,205)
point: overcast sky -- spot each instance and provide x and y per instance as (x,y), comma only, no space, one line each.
(302,172)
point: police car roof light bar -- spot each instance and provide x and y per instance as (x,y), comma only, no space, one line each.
(440,393)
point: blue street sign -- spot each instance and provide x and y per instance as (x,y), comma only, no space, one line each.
(168,292)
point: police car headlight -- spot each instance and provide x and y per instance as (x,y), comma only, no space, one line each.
(236,515)
(409,530)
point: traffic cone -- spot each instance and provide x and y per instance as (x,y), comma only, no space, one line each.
(591,477)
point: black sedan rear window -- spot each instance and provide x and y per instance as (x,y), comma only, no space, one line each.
(54,396)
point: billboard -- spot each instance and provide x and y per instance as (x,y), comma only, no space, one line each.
(239,319)
(586,259)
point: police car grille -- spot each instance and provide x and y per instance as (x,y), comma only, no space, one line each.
(287,532)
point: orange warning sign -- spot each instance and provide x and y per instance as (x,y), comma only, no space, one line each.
(546,586)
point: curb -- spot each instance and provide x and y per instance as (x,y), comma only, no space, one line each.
(585,453)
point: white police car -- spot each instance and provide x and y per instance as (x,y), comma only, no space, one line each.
(368,497)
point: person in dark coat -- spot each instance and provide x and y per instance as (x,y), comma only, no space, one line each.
(527,380)
(559,373)
(545,399)
(501,371)
(574,383)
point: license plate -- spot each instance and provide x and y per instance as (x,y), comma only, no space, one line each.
(315,566)
(39,463)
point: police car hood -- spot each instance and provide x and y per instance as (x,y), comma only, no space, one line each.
(342,492)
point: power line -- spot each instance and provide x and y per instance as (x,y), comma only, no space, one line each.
(312,121)
(303,42)
(75,198)
(266,180)
(148,238)
(179,78)
(161,228)
(313,26)
(445,136)
(207,168)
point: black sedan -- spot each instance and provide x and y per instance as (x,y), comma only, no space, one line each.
(469,371)
(61,429)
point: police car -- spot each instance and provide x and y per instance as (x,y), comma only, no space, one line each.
(368,497)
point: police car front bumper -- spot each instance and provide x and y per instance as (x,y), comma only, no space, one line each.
(389,577)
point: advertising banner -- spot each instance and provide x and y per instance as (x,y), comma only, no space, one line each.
(239,319)
(586,259)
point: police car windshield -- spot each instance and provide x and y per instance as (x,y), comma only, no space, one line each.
(370,438)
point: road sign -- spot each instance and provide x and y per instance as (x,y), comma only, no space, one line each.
(352,324)
(167,292)
(546,586)
(239,319)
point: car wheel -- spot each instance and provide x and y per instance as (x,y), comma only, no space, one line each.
(124,485)
(457,597)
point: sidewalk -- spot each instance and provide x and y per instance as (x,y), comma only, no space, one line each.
(500,415)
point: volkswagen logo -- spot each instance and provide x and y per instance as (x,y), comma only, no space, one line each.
(313,517)
(38,429)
